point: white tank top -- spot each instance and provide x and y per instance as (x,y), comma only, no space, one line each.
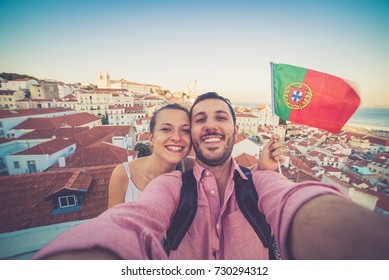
(132,191)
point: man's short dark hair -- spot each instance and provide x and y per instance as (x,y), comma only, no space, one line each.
(174,106)
(213,95)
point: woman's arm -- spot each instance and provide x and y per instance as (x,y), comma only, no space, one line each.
(118,184)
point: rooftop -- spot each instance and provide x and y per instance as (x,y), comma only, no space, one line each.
(22,203)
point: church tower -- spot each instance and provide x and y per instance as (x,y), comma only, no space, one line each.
(104,81)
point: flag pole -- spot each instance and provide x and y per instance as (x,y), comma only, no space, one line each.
(273,108)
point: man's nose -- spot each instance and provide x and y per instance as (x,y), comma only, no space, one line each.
(210,124)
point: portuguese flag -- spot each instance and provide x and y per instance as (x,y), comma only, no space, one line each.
(312,98)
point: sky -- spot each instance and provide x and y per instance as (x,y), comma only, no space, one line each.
(226,46)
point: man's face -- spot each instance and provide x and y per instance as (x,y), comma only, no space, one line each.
(213,131)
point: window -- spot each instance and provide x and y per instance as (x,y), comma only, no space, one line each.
(67,201)
(16,164)
(31,166)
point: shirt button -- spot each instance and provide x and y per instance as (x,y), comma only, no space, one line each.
(206,173)
(217,226)
(213,192)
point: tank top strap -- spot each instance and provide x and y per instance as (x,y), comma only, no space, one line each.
(127,167)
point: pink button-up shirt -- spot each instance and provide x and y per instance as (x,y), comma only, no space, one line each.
(134,230)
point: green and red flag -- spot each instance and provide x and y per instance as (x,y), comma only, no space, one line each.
(312,98)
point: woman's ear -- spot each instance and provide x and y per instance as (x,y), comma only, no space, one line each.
(151,140)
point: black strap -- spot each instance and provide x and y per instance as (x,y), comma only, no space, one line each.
(247,199)
(185,213)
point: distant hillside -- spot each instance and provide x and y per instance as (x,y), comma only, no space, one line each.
(14,76)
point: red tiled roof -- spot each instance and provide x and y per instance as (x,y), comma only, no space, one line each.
(246,116)
(70,96)
(31,112)
(246,160)
(97,155)
(378,140)
(22,204)
(143,137)
(300,164)
(98,134)
(79,181)
(7,92)
(240,137)
(5,140)
(110,89)
(133,109)
(49,147)
(115,107)
(78,119)
(66,132)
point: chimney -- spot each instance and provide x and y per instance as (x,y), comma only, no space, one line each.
(62,162)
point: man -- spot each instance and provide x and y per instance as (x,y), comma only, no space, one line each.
(309,220)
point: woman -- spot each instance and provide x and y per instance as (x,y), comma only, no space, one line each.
(170,142)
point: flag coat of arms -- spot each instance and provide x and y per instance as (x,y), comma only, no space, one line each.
(312,98)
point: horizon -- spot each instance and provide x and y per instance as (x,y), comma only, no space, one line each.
(226,47)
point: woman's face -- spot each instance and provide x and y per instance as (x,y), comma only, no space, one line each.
(171,138)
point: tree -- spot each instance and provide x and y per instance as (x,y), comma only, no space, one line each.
(143,149)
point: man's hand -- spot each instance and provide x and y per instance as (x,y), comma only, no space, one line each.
(271,154)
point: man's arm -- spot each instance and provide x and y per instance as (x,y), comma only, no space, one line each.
(330,227)
(130,230)
(88,254)
(271,154)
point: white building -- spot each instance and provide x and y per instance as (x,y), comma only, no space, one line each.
(39,157)
(265,116)
(9,98)
(104,81)
(247,123)
(121,115)
(244,145)
(19,84)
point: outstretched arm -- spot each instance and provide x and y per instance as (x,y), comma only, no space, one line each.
(127,231)
(271,154)
(330,227)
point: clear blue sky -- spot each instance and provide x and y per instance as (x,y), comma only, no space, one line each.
(226,45)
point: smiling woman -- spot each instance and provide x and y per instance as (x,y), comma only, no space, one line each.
(170,142)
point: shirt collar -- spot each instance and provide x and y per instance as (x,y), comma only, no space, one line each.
(199,170)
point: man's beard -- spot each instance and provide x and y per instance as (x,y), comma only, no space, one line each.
(212,160)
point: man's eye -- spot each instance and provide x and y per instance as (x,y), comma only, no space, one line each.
(221,118)
(200,120)
(165,129)
(186,131)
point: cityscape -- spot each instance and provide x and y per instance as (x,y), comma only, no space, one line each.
(59,144)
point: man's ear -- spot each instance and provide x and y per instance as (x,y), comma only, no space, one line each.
(236,132)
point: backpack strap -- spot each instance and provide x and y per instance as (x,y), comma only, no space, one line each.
(184,215)
(247,198)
